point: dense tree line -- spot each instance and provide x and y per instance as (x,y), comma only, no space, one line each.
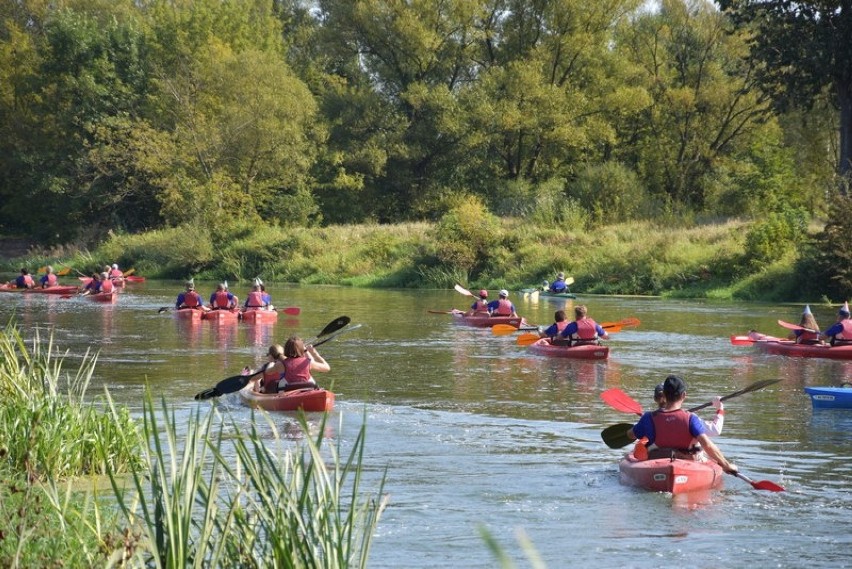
(139,114)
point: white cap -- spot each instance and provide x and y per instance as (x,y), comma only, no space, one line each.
(114,266)
(504,292)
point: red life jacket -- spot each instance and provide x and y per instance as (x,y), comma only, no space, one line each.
(106,286)
(560,326)
(807,337)
(192,299)
(255,300)
(671,429)
(586,330)
(480,306)
(221,300)
(504,308)
(270,380)
(297,370)
(51,280)
(846,333)
(115,274)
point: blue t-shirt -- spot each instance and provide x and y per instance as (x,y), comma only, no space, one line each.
(572,329)
(551,331)
(558,286)
(645,426)
(835,329)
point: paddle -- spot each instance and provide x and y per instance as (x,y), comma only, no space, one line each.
(453,311)
(795,327)
(760,485)
(236,382)
(615,436)
(464,291)
(503,329)
(620,401)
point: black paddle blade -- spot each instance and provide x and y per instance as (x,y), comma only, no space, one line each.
(615,436)
(335,325)
(229,385)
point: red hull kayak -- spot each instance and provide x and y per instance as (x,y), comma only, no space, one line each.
(58,289)
(259,316)
(103,296)
(587,352)
(488,321)
(309,399)
(189,314)
(792,349)
(666,475)
(222,316)
(134,279)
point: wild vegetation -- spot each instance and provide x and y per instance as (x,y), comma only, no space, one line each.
(207,493)
(211,121)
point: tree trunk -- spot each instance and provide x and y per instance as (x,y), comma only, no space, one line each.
(844,165)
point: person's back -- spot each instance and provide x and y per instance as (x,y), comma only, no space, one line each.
(840,333)
(810,332)
(502,306)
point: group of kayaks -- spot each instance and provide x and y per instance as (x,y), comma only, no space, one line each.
(228,316)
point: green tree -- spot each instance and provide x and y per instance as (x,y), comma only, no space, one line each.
(805,47)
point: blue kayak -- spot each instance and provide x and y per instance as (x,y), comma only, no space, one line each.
(830,397)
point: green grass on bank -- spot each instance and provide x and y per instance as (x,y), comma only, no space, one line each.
(686,260)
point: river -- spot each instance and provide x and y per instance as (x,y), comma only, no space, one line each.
(476,433)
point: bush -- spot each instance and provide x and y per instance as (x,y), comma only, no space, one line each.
(770,239)
(465,237)
(611,192)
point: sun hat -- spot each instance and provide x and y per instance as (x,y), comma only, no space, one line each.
(483,293)
(844,310)
(114,265)
(504,292)
(561,275)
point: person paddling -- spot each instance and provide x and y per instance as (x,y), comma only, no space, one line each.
(583,330)
(49,278)
(502,306)
(221,299)
(555,329)
(809,336)
(673,432)
(840,333)
(714,426)
(24,280)
(256,299)
(480,307)
(559,285)
(189,298)
(290,367)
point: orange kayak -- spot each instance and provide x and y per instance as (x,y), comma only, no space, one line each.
(255,316)
(585,352)
(221,316)
(310,400)
(676,476)
(488,321)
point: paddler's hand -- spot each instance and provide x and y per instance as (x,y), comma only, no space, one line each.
(731,469)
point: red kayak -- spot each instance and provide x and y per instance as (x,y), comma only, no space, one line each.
(781,347)
(488,321)
(255,316)
(222,316)
(544,347)
(189,314)
(134,279)
(57,289)
(676,476)
(103,296)
(310,400)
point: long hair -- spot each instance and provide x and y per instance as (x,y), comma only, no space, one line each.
(294,347)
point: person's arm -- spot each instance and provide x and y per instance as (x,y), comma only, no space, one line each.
(714,426)
(835,329)
(715,454)
(601,332)
(570,329)
(317,361)
(550,332)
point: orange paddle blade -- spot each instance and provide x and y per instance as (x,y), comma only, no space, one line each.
(527,339)
(63,272)
(130,272)
(502,329)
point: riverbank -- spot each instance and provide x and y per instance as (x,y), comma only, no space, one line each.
(699,260)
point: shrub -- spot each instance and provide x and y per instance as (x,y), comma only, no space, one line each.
(770,239)
(465,237)
(611,192)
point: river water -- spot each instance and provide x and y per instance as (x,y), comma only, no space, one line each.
(476,433)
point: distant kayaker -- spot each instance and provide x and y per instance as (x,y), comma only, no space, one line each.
(24,280)
(559,325)
(221,299)
(93,286)
(840,333)
(714,426)
(811,334)
(480,307)
(583,330)
(290,367)
(674,432)
(189,298)
(115,274)
(502,306)
(256,299)
(106,283)
(559,285)
(49,279)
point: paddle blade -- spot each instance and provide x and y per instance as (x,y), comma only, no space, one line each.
(63,272)
(336,334)
(527,339)
(620,401)
(227,385)
(761,484)
(292,310)
(503,329)
(615,436)
(612,329)
(741,341)
(163,309)
(790,326)
(129,272)
(464,291)
(335,325)
(569,281)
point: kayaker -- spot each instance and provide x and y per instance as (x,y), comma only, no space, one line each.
(189,298)
(809,336)
(221,299)
(714,427)
(273,370)
(267,298)
(93,286)
(49,279)
(840,333)
(106,283)
(290,367)
(674,432)
(583,330)
(255,299)
(480,307)
(553,331)
(24,280)
(559,285)
(502,306)
(115,274)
